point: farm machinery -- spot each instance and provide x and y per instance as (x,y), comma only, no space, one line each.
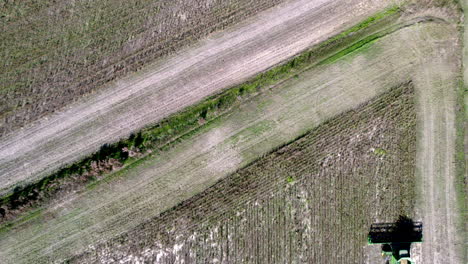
(396,239)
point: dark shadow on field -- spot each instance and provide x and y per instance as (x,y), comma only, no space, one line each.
(396,237)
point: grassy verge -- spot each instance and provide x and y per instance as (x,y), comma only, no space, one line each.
(30,215)
(162,135)
(356,46)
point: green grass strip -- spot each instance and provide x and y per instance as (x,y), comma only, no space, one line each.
(367,22)
(30,215)
(356,46)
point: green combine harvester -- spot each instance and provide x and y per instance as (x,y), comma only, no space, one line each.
(396,239)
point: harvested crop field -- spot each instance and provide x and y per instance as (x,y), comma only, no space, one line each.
(54,52)
(310,200)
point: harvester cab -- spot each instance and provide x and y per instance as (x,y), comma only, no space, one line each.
(396,239)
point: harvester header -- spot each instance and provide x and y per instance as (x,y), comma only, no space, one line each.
(396,239)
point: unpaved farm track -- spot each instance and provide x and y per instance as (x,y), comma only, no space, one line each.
(171,85)
(424,52)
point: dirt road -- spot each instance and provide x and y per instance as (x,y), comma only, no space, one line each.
(168,86)
(257,127)
(437,81)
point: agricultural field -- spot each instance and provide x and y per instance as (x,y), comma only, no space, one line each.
(310,200)
(279,139)
(170,85)
(54,52)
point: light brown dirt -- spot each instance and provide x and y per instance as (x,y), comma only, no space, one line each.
(438,76)
(221,61)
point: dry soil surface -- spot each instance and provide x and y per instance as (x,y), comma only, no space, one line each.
(221,61)
(437,76)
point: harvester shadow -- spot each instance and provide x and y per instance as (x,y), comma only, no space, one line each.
(396,238)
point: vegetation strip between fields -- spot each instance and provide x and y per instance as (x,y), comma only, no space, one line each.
(130,152)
